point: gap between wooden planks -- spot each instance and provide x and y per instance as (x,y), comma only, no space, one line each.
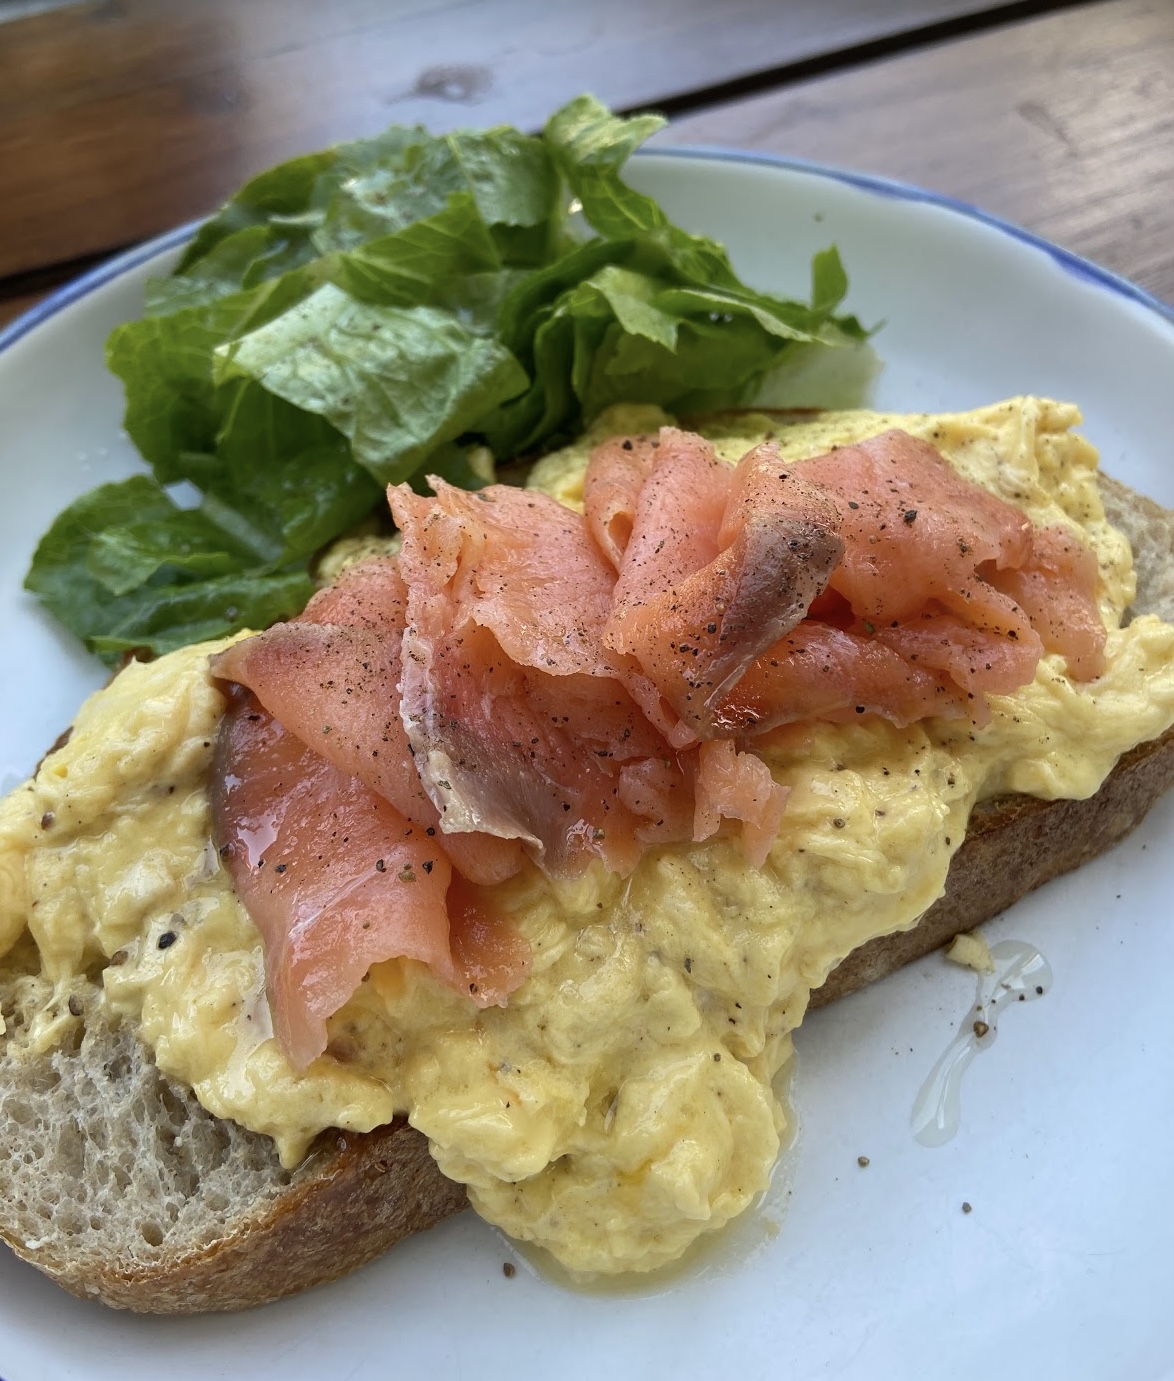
(121,118)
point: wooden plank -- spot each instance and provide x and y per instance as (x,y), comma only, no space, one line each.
(120,118)
(1064,124)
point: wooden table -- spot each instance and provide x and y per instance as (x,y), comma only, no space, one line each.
(121,118)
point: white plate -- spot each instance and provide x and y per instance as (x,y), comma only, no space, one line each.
(1065,1267)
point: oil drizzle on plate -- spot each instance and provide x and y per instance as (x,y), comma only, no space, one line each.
(1021,974)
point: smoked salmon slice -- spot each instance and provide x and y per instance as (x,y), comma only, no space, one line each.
(720,563)
(917,532)
(513,561)
(921,591)
(952,578)
(331,677)
(524,679)
(518,725)
(818,672)
(336,879)
(738,786)
(1057,589)
(611,491)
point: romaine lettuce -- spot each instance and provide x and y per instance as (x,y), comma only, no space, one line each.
(370,314)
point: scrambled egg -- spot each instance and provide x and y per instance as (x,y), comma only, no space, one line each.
(624,1103)
(971,951)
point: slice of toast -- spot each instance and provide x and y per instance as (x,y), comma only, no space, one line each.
(121,1187)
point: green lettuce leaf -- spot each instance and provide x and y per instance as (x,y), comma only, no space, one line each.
(163,618)
(127,570)
(397,382)
(391,308)
(508,177)
(590,145)
(425,261)
(166,364)
(290,476)
(287,202)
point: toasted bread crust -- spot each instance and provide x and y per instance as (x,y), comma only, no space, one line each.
(362,1193)
(1013,845)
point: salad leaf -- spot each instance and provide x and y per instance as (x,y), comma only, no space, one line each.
(190,543)
(419,263)
(505,176)
(127,570)
(166,617)
(397,382)
(590,146)
(173,414)
(382,311)
(288,476)
(283,201)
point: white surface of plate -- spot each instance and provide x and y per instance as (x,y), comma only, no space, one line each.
(1065,1266)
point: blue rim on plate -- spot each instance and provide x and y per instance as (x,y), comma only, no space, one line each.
(85,283)
(1074,264)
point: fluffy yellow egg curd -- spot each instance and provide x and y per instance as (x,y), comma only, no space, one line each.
(624,1103)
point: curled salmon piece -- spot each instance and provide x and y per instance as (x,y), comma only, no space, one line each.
(513,561)
(611,495)
(514,752)
(980,661)
(332,678)
(915,531)
(820,672)
(370,594)
(611,491)
(738,786)
(517,722)
(951,578)
(720,563)
(659,793)
(336,879)
(781,534)
(1057,588)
